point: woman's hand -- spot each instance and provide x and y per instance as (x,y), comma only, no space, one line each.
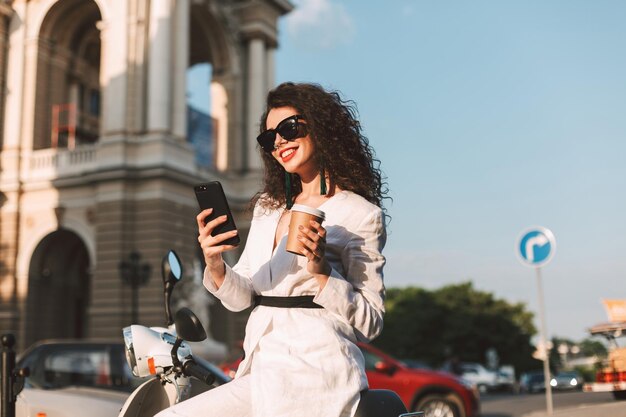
(211,245)
(313,240)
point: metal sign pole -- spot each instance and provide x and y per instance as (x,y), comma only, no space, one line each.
(7,363)
(546,356)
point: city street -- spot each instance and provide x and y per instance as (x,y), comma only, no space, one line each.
(570,404)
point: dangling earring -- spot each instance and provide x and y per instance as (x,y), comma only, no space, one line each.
(288,199)
(322,181)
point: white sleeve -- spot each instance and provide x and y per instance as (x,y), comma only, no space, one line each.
(359,296)
(236,292)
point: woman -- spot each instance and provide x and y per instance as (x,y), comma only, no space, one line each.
(301,357)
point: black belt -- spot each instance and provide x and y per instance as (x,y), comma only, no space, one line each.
(299,301)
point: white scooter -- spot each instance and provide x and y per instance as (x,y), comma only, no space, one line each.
(163,353)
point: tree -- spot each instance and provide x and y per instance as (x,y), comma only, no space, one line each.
(593,347)
(456,320)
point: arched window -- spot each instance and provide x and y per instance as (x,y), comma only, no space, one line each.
(58,288)
(68,76)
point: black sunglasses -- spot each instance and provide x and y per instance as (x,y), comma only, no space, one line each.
(288,129)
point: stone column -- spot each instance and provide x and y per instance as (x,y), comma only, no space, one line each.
(15,79)
(160,67)
(181,62)
(137,45)
(219,113)
(114,70)
(270,62)
(257,80)
(27,129)
(5,15)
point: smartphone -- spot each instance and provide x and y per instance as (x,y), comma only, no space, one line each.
(211,195)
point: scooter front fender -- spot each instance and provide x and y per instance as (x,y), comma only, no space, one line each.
(146,400)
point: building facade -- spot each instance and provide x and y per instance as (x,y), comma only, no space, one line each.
(99,150)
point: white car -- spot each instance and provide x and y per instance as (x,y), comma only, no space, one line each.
(77,378)
(71,378)
(69,402)
(484,379)
(506,379)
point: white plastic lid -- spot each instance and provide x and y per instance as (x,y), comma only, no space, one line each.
(310,210)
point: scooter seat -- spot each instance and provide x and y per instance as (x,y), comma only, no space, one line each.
(380,403)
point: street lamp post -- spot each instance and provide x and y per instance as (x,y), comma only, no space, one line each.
(135,274)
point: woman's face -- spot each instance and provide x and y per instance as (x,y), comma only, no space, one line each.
(295,156)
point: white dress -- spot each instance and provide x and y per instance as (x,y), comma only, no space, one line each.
(299,361)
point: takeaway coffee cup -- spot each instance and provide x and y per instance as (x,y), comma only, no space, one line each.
(300,215)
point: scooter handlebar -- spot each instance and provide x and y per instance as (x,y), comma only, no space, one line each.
(191,368)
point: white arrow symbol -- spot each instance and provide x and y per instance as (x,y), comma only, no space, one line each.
(538,240)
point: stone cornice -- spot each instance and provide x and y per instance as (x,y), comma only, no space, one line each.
(259,19)
(283,6)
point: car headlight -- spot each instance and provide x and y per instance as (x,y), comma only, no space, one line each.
(130,350)
(573,382)
(553,382)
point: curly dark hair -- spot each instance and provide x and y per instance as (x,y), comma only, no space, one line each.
(340,147)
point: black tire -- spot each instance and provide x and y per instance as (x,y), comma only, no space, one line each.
(619,395)
(437,405)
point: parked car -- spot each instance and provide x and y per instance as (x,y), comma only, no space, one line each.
(477,374)
(69,377)
(567,381)
(416,364)
(436,393)
(531,382)
(505,379)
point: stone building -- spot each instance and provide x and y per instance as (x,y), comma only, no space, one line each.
(97,159)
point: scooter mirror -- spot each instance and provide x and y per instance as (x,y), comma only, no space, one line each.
(172,268)
(188,326)
(172,272)
(176,267)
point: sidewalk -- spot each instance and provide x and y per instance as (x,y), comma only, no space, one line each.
(616,409)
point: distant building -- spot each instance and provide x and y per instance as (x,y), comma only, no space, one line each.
(98,152)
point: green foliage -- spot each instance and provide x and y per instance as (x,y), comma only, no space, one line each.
(588,373)
(593,347)
(586,348)
(456,320)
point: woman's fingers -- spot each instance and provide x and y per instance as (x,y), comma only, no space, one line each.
(318,228)
(217,239)
(317,247)
(208,240)
(206,228)
(310,250)
(210,251)
(212,245)
(201,217)
(313,240)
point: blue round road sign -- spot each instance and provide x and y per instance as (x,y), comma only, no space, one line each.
(536,246)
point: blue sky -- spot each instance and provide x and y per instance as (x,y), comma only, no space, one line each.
(488,117)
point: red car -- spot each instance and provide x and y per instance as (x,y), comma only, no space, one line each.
(436,393)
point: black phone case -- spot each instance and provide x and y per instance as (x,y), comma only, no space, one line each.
(211,195)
